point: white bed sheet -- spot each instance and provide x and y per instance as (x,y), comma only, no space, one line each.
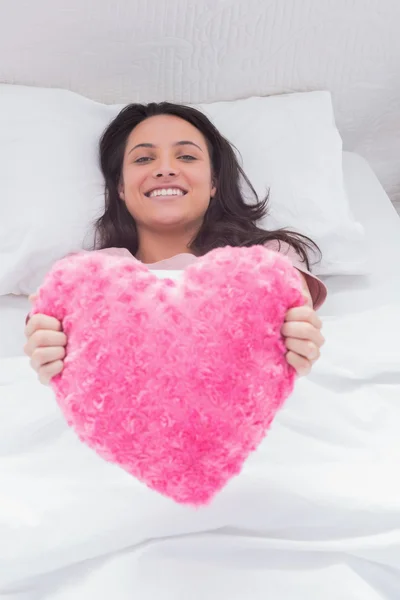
(371,207)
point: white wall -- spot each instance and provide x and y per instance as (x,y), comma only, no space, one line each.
(205,50)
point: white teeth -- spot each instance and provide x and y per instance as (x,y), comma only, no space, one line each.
(166,192)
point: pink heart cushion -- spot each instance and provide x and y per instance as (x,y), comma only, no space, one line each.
(175,381)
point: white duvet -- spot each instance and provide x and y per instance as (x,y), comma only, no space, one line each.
(314,514)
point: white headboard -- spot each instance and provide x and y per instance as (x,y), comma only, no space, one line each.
(207,50)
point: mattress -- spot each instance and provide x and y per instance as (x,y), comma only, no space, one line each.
(371,207)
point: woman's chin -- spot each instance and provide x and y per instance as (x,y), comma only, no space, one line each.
(171,221)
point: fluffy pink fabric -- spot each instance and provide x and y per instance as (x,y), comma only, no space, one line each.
(176,382)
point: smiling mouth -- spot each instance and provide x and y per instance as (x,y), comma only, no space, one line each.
(166,192)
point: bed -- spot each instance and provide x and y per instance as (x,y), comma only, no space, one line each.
(315,513)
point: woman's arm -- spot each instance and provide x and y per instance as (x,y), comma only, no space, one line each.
(306,290)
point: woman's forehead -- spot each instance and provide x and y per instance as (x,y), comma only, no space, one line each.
(165,129)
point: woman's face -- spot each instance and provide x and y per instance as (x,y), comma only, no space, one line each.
(166,174)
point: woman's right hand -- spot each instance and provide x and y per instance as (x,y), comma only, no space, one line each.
(45,346)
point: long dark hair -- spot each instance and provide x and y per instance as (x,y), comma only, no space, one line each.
(229,219)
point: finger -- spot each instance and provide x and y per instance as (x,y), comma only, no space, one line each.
(32,297)
(44,356)
(42,322)
(304,348)
(301,365)
(303,331)
(304,313)
(42,338)
(49,371)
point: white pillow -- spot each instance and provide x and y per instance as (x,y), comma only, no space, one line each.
(290,144)
(50,184)
(51,188)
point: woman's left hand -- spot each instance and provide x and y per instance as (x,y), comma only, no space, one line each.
(303,338)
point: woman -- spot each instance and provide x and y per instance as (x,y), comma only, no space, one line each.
(172,193)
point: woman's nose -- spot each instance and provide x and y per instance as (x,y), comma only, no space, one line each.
(166,167)
(169,172)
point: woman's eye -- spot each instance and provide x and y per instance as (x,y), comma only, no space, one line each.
(145,159)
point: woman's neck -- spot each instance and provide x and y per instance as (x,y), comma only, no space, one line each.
(154,248)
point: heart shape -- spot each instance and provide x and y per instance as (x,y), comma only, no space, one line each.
(175,381)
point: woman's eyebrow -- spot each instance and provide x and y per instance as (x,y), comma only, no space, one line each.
(187,142)
(181,143)
(144,145)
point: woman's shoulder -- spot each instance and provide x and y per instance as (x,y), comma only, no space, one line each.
(282,247)
(115,251)
(317,288)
